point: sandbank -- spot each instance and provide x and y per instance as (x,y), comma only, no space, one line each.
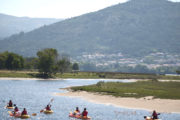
(146,103)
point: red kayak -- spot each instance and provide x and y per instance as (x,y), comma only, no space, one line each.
(149,118)
(17,114)
(79,116)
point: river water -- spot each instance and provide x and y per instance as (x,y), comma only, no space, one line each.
(34,95)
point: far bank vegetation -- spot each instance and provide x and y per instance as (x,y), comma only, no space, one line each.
(48,62)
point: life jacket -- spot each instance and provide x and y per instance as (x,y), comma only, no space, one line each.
(48,108)
(10,104)
(155,115)
(85,113)
(16,109)
(24,112)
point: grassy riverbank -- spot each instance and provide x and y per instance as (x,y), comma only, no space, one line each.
(165,90)
(17,74)
(87,75)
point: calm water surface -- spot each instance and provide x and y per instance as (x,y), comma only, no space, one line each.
(34,95)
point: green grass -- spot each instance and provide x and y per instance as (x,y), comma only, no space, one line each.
(16,74)
(164,90)
(87,75)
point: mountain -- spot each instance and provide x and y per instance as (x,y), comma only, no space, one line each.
(134,28)
(12,25)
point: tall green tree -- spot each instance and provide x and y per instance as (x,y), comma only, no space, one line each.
(2,60)
(47,59)
(11,61)
(75,66)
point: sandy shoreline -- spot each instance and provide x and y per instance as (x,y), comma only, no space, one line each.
(147,103)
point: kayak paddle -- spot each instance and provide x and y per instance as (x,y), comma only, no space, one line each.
(48,104)
(34,114)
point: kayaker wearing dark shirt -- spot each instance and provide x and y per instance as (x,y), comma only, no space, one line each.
(10,104)
(48,107)
(24,112)
(16,109)
(155,115)
(85,113)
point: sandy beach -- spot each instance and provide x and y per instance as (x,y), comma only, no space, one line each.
(147,103)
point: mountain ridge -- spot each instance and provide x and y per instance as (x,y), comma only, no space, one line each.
(13,25)
(134,28)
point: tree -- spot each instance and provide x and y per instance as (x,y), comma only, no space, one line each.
(88,67)
(64,65)
(2,61)
(178,71)
(47,60)
(75,66)
(31,63)
(141,69)
(11,61)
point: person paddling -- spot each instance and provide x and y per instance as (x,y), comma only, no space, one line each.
(85,113)
(10,104)
(16,109)
(155,115)
(48,107)
(24,112)
(77,111)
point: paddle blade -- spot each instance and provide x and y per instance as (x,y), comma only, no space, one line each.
(10,112)
(52,99)
(34,114)
(41,111)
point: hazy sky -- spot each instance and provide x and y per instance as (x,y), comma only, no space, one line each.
(53,8)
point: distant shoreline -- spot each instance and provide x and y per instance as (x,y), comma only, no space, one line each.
(13,78)
(86,75)
(145,103)
(132,80)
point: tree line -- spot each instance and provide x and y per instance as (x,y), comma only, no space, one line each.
(129,69)
(48,62)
